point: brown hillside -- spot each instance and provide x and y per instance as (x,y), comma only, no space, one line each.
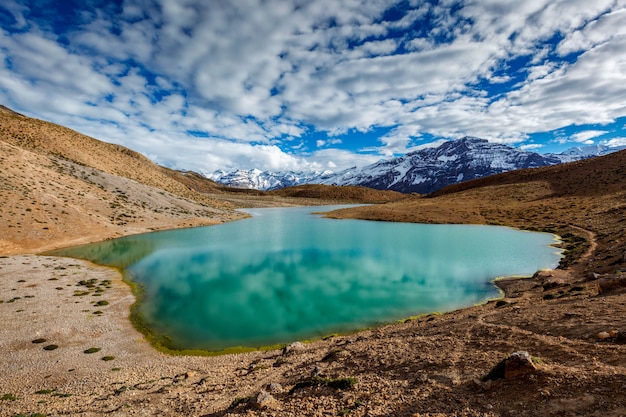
(564,199)
(53,140)
(58,187)
(343,194)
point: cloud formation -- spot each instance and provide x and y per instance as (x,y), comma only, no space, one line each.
(320,84)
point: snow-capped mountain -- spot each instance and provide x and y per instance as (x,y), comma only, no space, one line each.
(422,171)
(266,180)
(583,152)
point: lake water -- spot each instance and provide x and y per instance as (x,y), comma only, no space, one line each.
(286,274)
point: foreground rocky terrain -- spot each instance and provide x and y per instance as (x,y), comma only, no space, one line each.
(67,346)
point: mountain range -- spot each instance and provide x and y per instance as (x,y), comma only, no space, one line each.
(422,171)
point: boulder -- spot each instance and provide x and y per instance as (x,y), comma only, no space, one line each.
(612,284)
(263,400)
(517,365)
(553,282)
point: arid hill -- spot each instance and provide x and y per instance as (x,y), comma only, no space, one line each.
(346,194)
(59,187)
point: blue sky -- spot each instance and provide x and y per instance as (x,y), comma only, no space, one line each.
(317,84)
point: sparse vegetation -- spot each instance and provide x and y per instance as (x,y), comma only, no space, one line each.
(238,401)
(338,383)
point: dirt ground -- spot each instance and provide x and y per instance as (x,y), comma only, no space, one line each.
(429,366)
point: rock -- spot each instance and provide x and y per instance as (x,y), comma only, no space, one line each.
(612,284)
(263,400)
(592,276)
(274,388)
(295,346)
(552,282)
(518,364)
(502,303)
(603,335)
(189,374)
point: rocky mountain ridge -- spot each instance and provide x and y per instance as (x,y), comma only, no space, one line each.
(422,171)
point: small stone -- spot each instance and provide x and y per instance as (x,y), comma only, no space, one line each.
(592,276)
(189,374)
(603,335)
(274,388)
(613,333)
(263,400)
(295,346)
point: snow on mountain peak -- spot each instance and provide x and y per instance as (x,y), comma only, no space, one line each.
(421,171)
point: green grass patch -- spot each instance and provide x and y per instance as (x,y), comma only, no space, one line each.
(238,401)
(44,391)
(31,415)
(338,383)
(92,350)
(108,358)
(8,397)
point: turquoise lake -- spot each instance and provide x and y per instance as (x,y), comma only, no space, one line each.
(286,274)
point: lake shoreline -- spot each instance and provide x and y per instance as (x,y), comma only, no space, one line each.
(409,270)
(445,352)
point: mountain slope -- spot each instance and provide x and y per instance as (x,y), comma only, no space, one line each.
(420,172)
(50,139)
(58,187)
(430,169)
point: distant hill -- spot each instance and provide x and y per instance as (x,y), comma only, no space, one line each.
(345,193)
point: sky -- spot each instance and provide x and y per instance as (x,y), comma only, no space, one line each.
(306,85)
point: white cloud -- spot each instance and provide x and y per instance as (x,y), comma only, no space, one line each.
(253,76)
(531,146)
(586,135)
(614,142)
